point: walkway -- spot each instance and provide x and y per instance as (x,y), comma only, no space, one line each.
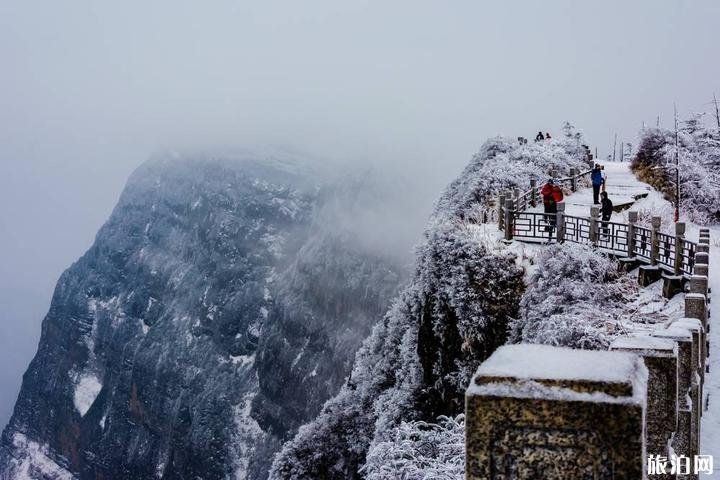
(622,187)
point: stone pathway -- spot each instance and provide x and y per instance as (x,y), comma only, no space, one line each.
(622,187)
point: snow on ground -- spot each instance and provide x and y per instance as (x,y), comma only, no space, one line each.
(622,188)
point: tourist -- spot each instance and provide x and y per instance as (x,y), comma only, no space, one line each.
(596,176)
(606,211)
(552,195)
(539,137)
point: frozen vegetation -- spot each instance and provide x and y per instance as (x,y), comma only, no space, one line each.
(698,155)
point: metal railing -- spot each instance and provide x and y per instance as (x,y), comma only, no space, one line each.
(610,236)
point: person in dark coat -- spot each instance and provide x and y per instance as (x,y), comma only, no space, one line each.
(539,137)
(596,176)
(606,211)
(547,136)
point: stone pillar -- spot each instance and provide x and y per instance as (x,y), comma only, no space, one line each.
(632,220)
(594,225)
(573,179)
(696,307)
(509,220)
(501,212)
(682,440)
(679,239)
(703,248)
(560,222)
(701,269)
(533,188)
(660,356)
(702,257)
(655,241)
(693,326)
(699,284)
(541,412)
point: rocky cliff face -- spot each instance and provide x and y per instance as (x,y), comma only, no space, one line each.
(219,307)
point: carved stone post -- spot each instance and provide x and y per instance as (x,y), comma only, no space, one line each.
(701,269)
(695,381)
(535,411)
(509,220)
(660,356)
(682,440)
(594,226)
(679,240)
(632,220)
(702,257)
(655,240)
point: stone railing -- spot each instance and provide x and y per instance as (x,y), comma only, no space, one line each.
(541,412)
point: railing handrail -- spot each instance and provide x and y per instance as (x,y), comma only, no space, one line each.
(609,233)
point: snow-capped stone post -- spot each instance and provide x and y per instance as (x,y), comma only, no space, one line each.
(501,212)
(536,411)
(632,220)
(673,284)
(630,262)
(660,356)
(701,269)
(594,225)
(533,188)
(699,283)
(696,307)
(683,434)
(648,274)
(509,219)
(573,179)
(679,241)
(560,222)
(702,257)
(655,240)
(693,326)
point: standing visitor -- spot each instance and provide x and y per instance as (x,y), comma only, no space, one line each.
(552,195)
(539,137)
(547,136)
(606,211)
(596,177)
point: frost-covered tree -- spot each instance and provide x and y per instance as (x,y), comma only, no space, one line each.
(698,156)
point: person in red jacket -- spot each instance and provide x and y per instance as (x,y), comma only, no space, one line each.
(552,195)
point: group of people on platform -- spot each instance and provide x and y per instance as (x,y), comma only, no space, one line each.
(538,138)
(552,195)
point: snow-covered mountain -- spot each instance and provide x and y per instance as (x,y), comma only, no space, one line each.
(219,307)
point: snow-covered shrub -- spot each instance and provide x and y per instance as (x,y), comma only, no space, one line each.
(419,451)
(571,295)
(503,163)
(698,154)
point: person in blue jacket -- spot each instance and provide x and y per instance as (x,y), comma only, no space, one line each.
(597,180)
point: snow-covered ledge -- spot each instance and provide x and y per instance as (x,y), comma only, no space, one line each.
(535,411)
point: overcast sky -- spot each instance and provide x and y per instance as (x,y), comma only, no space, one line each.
(90,88)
